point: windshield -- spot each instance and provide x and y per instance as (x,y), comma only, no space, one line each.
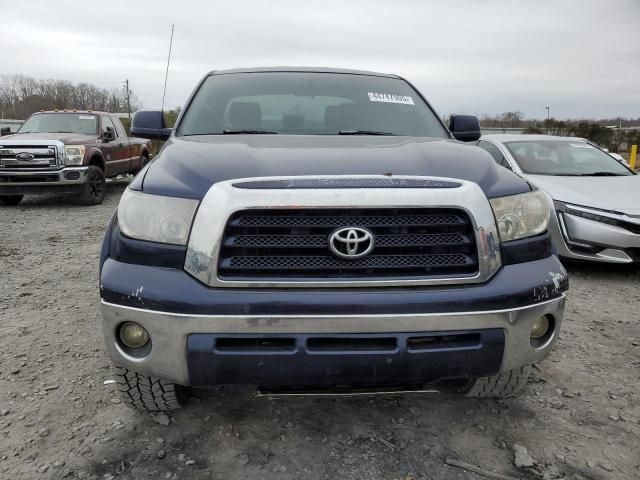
(561,157)
(298,103)
(82,123)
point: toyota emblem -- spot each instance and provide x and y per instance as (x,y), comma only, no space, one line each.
(351,242)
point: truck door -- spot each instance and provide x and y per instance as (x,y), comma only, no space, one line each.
(116,158)
(127,147)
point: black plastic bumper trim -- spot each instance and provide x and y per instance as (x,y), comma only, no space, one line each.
(348,365)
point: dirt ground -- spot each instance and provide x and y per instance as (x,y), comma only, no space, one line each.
(579,419)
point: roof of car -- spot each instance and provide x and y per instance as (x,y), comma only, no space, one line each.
(301,69)
(507,137)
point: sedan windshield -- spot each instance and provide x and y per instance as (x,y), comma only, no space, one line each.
(82,123)
(298,103)
(562,157)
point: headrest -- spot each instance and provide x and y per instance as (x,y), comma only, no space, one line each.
(331,115)
(350,112)
(245,114)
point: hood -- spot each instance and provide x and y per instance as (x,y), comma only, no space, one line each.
(189,166)
(66,138)
(620,194)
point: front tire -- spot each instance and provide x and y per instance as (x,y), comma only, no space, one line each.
(149,394)
(95,188)
(11,199)
(503,385)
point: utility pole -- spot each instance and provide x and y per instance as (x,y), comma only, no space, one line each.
(619,133)
(548,113)
(126,85)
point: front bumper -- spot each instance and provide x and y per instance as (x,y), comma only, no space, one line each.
(579,238)
(185,320)
(65,180)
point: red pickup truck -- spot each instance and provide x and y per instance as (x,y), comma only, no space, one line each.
(67,152)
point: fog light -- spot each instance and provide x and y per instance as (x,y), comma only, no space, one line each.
(133,335)
(540,328)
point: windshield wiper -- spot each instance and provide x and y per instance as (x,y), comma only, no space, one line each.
(363,132)
(248,132)
(602,174)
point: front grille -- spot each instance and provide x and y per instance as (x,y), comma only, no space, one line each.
(289,244)
(42,157)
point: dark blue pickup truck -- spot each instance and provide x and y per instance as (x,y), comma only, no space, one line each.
(322,229)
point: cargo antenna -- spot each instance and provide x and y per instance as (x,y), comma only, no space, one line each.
(166,75)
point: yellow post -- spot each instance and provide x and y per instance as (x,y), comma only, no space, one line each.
(632,157)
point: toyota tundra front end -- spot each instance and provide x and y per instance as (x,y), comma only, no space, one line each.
(307,229)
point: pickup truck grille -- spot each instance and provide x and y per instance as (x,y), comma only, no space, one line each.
(409,242)
(27,157)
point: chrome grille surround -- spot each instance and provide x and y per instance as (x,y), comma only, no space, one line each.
(47,155)
(223,200)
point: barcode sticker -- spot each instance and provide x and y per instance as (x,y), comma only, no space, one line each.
(390,98)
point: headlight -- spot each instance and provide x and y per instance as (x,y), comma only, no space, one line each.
(520,216)
(155,217)
(74,154)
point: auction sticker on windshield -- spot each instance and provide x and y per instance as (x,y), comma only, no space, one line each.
(86,117)
(390,98)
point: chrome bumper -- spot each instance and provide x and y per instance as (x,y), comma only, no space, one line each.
(23,178)
(169,332)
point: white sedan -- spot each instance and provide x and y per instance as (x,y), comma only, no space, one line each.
(596,199)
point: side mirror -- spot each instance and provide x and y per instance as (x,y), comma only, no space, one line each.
(109,135)
(150,124)
(5,131)
(465,128)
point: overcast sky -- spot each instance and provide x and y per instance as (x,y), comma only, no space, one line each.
(580,57)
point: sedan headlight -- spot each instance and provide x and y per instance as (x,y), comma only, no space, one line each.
(74,154)
(155,217)
(520,216)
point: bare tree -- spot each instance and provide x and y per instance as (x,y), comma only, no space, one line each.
(20,96)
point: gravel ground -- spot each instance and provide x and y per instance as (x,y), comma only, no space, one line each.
(579,419)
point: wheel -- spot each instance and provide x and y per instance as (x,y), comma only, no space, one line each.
(504,385)
(11,199)
(149,394)
(144,159)
(95,188)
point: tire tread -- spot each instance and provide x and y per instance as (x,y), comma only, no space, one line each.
(147,394)
(503,385)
